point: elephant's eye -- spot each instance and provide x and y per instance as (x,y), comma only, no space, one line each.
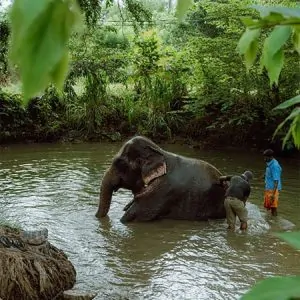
(139,161)
(121,164)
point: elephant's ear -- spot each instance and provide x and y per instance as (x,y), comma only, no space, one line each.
(154,165)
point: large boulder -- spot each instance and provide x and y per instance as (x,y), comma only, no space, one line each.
(31,268)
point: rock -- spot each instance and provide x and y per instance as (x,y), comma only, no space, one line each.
(35,270)
(34,237)
(78,295)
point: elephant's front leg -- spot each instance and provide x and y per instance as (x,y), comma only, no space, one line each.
(141,210)
(130,212)
(128,205)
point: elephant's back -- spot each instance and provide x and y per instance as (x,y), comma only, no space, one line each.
(209,168)
(192,173)
(200,167)
(196,184)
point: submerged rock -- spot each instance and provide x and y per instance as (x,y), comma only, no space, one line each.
(31,268)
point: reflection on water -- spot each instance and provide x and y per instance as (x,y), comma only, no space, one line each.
(57,187)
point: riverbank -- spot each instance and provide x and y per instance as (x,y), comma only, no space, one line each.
(201,145)
(48,119)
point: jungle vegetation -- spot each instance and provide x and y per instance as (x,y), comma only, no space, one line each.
(137,68)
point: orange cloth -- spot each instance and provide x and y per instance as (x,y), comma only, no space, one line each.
(267,199)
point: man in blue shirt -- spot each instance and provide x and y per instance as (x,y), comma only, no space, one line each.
(272,182)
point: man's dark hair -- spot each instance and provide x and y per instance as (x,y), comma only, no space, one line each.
(248,175)
(268,153)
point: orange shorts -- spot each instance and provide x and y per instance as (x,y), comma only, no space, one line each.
(267,199)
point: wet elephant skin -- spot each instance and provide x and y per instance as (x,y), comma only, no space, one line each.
(164,184)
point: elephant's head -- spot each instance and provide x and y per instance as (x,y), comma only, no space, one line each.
(137,167)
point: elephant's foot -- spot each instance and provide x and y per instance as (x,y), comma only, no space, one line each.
(128,217)
(128,205)
(130,212)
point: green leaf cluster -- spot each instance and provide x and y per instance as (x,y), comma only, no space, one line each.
(294,117)
(286,26)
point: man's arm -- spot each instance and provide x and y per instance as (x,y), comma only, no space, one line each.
(225,178)
(247,191)
(276,176)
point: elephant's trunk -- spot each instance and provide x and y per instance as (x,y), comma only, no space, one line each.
(108,185)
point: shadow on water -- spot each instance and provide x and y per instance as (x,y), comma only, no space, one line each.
(57,186)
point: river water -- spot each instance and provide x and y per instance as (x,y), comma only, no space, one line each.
(57,186)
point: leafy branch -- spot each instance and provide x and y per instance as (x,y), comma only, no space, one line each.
(286,26)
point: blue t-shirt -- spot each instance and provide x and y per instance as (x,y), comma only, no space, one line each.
(273,172)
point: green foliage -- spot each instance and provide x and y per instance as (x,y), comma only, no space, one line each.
(92,10)
(228,104)
(39,37)
(294,129)
(41,31)
(289,103)
(160,82)
(272,57)
(160,73)
(41,120)
(279,288)
(86,110)
(4,33)
(292,238)
(248,46)
(168,73)
(138,12)
(286,23)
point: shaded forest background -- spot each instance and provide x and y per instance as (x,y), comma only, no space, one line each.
(138,70)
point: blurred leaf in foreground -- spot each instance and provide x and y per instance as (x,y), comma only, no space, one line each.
(279,288)
(40,33)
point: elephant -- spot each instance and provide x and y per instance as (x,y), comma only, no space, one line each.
(164,185)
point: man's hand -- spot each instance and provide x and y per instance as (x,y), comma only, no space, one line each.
(223,182)
(222,178)
(272,198)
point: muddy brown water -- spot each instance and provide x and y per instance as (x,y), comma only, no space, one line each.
(57,186)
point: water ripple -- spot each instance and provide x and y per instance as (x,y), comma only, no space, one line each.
(58,188)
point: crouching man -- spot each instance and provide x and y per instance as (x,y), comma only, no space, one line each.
(237,192)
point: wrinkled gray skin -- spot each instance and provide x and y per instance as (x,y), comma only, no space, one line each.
(164,185)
